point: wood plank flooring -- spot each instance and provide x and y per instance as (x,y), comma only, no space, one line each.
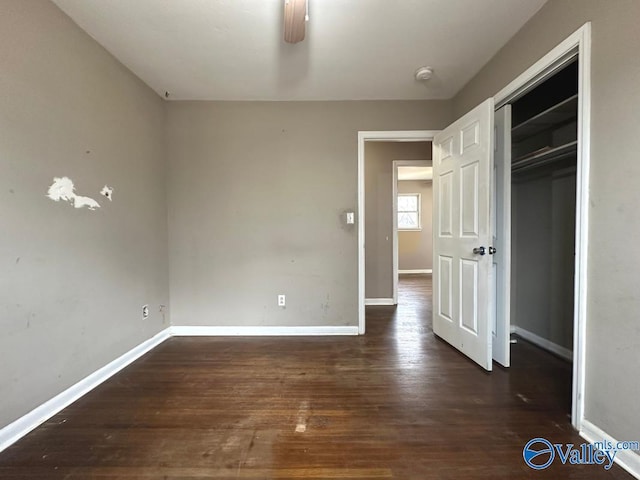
(396,403)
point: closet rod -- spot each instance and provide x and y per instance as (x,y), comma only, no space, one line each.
(545,158)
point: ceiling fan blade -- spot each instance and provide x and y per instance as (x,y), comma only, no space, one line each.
(294,20)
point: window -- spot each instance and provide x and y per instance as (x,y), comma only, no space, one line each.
(409,211)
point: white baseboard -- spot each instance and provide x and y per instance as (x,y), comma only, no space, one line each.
(249,331)
(544,343)
(379,301)
(19,428)
(420,270)
(627,459)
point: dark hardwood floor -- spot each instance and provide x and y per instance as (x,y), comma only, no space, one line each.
(396,403)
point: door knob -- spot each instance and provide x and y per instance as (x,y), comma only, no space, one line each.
(479,250)
(492,250)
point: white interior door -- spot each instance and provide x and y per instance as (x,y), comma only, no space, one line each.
(463,287)
(501,330)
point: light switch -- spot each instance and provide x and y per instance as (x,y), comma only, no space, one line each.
(351,218)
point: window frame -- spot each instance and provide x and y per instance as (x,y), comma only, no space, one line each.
(419,212)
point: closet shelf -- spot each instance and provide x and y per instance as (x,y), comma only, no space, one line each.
(544,157)
(553,116)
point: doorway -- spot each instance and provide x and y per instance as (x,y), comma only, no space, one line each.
(412,200)
(365,138)
(537,134)
(548,116)
(469,263)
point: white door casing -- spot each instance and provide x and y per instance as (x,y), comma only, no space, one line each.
(463,290)
(501,236)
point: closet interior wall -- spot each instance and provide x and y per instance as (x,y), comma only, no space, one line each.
(544,139)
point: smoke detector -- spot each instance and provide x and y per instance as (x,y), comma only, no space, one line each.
(423,74)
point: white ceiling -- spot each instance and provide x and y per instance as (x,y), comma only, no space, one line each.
(415,173)
(354,49)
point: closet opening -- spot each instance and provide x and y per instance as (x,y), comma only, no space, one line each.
(544,139)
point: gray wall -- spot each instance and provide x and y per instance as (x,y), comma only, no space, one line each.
(543,230)
(378,194)
(415,248)
(613,309)
(257,194)
(73,281)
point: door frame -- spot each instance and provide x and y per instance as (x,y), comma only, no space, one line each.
(394,201)
(376,136)
(579,42)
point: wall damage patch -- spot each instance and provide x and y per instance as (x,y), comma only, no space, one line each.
(88,202)
(107,192)
(63,189)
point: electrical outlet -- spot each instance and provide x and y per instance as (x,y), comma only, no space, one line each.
(282,300)
(145,312)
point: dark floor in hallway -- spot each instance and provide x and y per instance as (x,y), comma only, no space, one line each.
(396,403)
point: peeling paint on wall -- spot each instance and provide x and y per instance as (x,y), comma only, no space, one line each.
(107,192)
(63,189)
(88,202)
